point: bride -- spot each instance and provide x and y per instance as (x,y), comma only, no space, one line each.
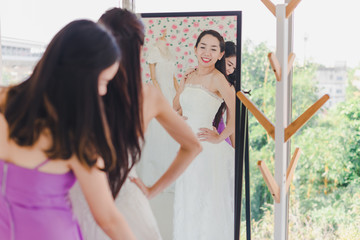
(146,102)
(203,207)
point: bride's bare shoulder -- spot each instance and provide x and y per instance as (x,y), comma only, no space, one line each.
(153,101)
(219,78)
(149,91)
(152,96)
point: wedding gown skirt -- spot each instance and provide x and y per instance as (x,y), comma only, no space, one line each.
(204,199)
(132,204)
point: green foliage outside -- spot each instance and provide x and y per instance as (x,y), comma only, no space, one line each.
(325,193)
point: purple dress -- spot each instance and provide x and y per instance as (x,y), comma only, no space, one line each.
(34,205)
(221,128)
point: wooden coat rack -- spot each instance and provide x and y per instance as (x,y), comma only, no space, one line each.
(282,131)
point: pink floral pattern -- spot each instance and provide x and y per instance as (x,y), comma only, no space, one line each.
(182,33)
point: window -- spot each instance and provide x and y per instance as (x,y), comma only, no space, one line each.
(26,29)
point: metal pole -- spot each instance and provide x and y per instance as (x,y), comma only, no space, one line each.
(240,129)
(247,181)
(281,116)
(240,145)
(289,100)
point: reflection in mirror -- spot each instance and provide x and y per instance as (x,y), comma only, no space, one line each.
(184,56)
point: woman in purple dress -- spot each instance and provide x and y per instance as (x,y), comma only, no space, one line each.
(54,131)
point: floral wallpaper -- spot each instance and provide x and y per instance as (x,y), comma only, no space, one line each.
(181,34)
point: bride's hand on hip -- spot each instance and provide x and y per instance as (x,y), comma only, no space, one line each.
(145,189)
(209,135)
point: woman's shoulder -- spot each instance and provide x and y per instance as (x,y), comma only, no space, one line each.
(152,96)
(218,78)
(153,101)
(150,92)
(219,74)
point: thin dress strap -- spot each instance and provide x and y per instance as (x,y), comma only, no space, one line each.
(41,164)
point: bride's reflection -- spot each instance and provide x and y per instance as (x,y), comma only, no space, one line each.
(203,207)
(204,195)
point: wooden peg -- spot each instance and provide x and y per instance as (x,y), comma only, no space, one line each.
(270,181)
(291,168)
(303,118)
(275,66)
(291,6)
(270,6)
(291,59)
(269,127)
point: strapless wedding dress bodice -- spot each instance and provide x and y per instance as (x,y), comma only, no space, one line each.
(199,105)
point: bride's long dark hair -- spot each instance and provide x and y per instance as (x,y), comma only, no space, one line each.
(123,102)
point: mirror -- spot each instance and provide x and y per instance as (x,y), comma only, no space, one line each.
(168,54)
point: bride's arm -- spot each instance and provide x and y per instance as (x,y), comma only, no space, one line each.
(178,129)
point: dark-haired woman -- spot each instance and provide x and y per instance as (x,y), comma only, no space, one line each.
(130,106)
(221,115)
(204,193)
(54,131)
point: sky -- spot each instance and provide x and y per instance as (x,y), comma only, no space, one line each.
(330,26)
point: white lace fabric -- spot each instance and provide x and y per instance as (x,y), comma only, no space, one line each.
(133,205)
(203,207)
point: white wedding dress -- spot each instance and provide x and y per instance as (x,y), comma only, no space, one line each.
(132,204)
(158,153)
(204,199)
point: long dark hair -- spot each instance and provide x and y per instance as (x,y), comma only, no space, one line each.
(230,51)
(61,95)
(123,102)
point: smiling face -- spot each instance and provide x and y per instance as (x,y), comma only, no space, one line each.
(230,63)
(208,51)
(105,76)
